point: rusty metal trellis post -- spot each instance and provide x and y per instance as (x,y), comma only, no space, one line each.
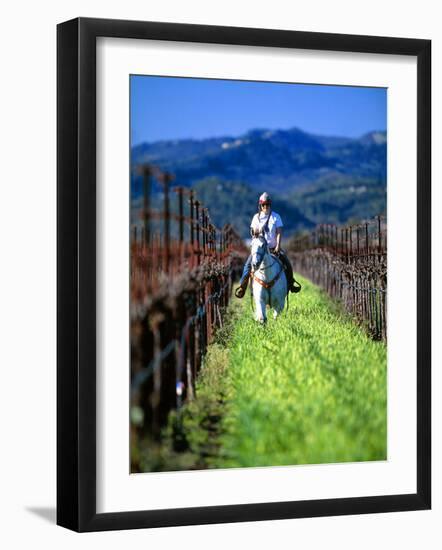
(165,178)
(379,239)
(197,222)
(146,171)
(357,239)
(191,205)
(179,190)
(351,243)
(366,240)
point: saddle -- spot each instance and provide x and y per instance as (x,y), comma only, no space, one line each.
(285,262)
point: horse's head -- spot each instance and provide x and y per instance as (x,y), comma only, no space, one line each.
(259,248)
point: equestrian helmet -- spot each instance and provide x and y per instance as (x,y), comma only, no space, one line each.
(265,198)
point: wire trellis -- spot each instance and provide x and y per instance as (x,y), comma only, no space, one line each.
(350,263)
(182,270)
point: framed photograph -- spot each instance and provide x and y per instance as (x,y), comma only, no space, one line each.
(243,274)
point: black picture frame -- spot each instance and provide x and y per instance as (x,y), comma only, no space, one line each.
(76,274)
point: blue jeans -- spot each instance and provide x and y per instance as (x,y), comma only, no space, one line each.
(246,270)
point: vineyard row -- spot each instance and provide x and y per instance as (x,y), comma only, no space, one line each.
(182,269)
(350,263)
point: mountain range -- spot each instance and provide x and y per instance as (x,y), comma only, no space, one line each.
(313,179)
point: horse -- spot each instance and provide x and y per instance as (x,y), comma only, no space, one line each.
(269,283)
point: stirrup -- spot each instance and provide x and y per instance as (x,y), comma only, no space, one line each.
(295,286)
(240,292)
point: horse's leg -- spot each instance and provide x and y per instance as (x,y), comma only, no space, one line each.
(263,319)
(263,303)
(278,308)
(280,295)
(260,307)
(256,301)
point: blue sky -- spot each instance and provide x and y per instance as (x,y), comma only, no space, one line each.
(165,108)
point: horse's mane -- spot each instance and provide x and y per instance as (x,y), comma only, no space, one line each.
(260,237)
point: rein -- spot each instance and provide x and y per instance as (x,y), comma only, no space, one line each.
(267,267)
(269,284)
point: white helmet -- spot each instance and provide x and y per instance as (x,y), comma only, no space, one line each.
(265,199)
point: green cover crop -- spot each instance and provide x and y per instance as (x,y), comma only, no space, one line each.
(308,388)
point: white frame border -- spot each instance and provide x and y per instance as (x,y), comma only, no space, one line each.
(116,489)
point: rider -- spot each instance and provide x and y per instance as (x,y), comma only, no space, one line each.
(270,224)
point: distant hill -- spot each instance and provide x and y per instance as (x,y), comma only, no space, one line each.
(236,202)
(314,178)
(340,199)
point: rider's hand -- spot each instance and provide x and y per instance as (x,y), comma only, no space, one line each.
(277,249)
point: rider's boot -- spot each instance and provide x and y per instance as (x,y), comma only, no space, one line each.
(288,272)
(292,287)
(241,290)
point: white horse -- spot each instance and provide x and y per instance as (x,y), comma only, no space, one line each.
(269,283)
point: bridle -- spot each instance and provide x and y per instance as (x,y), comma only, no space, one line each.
(266,284)
(267,266)
(260,255)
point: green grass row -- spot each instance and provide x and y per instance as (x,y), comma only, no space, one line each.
(308,388)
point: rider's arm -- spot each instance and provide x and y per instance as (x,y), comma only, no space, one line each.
(254,225)
(278,239)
